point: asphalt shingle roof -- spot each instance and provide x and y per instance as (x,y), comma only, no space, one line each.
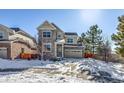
(71,33)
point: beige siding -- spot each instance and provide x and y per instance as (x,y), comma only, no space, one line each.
(5,34)
(61,34)
(74,37)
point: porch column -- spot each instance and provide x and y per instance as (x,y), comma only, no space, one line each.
(42,50)
(55,50)
(62,50)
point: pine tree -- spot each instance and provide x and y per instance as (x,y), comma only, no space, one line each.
(83,40)
(93,38)
(118,38)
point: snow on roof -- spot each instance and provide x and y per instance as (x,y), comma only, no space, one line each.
(60,41)
(20,31)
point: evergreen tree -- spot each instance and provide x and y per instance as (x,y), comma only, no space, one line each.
(84,41)
(94,38)
(81,39)
(118,38)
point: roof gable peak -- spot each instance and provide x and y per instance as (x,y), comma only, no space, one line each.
(46,25)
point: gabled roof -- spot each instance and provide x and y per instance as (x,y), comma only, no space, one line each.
(5,28)
(20,31)
(71,33)
(46,25)
(57,27)
(16,29)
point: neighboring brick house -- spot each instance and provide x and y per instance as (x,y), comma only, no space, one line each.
(53,42)
(14,41)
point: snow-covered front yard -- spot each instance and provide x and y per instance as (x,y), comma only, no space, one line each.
(67,70)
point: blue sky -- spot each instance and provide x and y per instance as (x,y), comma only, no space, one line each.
(68,20)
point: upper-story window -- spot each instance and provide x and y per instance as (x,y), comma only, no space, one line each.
(47,34)
(1,35)
(70,40)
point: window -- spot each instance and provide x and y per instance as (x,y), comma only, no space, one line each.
(59,36)
(47,47)
(22,50)
(69,40)
(1,35)
(47,34)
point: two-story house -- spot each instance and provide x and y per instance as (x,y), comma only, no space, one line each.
(14,41)
(54,42)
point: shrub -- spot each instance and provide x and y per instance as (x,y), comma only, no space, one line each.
(28,56)
(89,55)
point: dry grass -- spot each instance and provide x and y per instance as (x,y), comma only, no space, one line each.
(114,58)
(117,58)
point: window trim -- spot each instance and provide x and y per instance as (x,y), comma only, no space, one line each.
(47,44)
(46,32)
(70,39)
(1,35)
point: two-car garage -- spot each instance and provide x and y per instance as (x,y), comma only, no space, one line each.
(73,51)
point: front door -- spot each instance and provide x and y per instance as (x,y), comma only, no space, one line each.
(59,50)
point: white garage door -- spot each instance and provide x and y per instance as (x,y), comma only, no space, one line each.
(3,52)
(73,53)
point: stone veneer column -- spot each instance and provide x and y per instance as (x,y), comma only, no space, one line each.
(55,49)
